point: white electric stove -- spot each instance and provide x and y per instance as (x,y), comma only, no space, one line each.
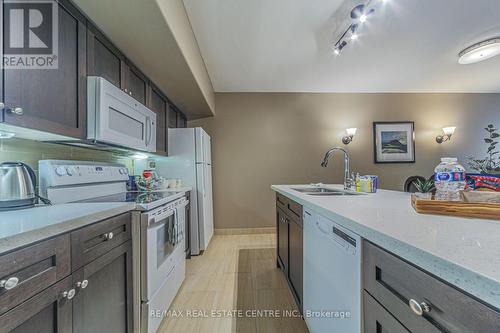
(158,228)
(64,181)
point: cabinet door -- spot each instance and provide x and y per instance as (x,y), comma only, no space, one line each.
(296,245)
(172,116)
(377,319)
(158,104)
(282,228)
(103,302)
(53,100)
(181,120)
(135,83)
(46,312)
(103,58)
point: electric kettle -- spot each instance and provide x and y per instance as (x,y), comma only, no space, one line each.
(17,186)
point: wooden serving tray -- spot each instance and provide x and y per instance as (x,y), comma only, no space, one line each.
(478,210)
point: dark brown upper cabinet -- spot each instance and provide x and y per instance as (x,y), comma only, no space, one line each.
(134,82)
(176,119)
(172,116)
(103,58)
(181,120)
(52,100)
(157,102)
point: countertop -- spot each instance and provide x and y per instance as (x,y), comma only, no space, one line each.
(22,227)
(178,189)
(464,252)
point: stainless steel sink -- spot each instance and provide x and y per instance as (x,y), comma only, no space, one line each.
(323,191)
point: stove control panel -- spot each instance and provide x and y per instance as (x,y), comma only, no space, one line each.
(54,173)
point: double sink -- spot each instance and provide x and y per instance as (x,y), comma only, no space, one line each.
(324,191)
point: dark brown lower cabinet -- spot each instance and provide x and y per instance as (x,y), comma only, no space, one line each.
(290,244)
(282,230)
(377,319)
(296,248)
(45,295)
(104,305)
(47,312)
(420,301)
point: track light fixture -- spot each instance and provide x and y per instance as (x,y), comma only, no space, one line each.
(359,15)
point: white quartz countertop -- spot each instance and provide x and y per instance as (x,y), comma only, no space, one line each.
(22,227)
(464,252)
(177,189)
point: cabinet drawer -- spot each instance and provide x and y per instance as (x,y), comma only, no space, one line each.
(48,311)
(394,282)
(34,268)
(281,202)
(290,207)
(93,241)
(377,319)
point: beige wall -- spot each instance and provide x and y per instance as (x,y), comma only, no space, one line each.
(260,139)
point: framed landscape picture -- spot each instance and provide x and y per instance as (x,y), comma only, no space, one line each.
(394,142)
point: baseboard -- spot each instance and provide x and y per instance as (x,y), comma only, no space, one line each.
(245,231)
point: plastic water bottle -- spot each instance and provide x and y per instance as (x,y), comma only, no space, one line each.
(449,179)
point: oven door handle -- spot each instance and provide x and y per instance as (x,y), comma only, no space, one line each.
(160,218)
(184,204)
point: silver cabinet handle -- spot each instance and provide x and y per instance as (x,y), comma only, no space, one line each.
(83,284)
(17,110)
(419,308)
(108,236)
(9,283)
(69,294)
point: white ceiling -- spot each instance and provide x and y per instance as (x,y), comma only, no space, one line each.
(284,46)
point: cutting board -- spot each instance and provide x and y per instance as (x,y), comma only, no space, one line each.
(488,211)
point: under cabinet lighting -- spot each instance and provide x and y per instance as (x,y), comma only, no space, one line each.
(139,156)
(6,135)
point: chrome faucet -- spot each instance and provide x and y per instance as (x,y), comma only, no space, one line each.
(347,179)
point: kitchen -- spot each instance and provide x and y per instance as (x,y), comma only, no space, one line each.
(141,168)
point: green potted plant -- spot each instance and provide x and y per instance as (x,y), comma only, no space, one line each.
(491,163)
(424,188)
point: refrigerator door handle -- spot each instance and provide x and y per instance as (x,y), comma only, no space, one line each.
(204,181)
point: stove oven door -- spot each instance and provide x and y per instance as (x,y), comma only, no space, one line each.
(157,246)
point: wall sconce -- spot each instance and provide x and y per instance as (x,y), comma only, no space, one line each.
(350,134)
(448,132)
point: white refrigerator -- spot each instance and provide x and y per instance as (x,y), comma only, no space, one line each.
(190,160)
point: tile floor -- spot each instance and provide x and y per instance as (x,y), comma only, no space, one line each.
(234,287)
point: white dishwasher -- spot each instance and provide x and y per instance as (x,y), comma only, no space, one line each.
(332,276)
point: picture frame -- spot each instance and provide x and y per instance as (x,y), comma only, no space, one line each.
(394,142)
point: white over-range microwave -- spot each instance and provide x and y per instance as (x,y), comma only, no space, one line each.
(115,118)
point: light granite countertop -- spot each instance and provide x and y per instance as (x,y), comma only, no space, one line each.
(464,252)
(177,189)
(22,227)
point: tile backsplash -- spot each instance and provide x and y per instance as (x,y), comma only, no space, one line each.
(30,152)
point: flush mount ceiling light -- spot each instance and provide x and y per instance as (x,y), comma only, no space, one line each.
(481,51)
(358,16)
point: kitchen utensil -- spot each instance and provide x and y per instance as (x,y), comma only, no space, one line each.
(17,185)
